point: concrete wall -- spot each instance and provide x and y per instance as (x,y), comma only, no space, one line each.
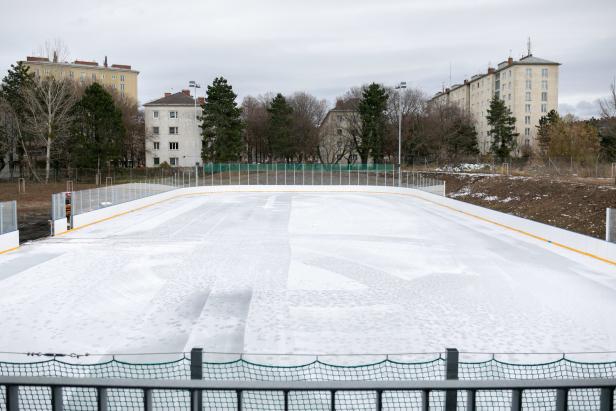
(9,241)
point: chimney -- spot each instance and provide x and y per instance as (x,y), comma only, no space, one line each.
(55,56)
(447,90)
(201,100)
(105,64)
(167,94)
(510,61)
(465,81)
(491,70)
(186,92)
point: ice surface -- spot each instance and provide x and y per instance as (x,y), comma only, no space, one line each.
(302,273)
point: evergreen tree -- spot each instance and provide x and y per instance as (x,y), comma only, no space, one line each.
(14,83)
(543,131)
(502,129)
(98,130)
(279,128)
(463,139)
(372,114)
(221,124)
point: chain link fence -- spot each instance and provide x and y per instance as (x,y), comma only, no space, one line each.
(8,217)
(244,370)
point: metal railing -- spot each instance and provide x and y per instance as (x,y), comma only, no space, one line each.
(287,392)
(382,175)
(84,201)
(610,225)
(8,217)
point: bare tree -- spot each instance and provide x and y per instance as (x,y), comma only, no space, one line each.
(48,114)
(55,50)
(308,113)
(608,105)
(255,117)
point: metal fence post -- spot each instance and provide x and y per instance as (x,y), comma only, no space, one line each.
(451,373)
(607,399)
(196,372)
(57,403)
(610,225)
(12,398)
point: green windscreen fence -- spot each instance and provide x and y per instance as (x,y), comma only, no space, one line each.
(307,167)
(244,370)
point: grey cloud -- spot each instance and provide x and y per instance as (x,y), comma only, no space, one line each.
(321,46)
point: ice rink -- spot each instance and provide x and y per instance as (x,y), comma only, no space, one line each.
(302,273)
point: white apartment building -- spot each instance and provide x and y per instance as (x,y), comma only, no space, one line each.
(173,135)
(529,88)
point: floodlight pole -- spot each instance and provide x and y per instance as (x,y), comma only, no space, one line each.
(194,84)
(399,87)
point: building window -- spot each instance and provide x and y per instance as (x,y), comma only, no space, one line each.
(122,86)
(527,142)
(113,76)
(526,119)
(155,130)
(173,161)
(527,108)
(527,131)
(529,72)
(121,77)
(544,84)
(544,72)
(544,108)
(544,96)
(173,130)
(156,145)
(529,84)
(173,114)
(528,98)
(93,76)
(509,96)
(155,114)
(174,145)
(156,161)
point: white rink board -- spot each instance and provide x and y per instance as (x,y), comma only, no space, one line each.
(285,270)
(9,241)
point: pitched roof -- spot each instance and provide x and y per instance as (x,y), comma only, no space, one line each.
(535,60)
(177,99)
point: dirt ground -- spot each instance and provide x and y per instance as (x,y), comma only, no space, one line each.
(577,205)
(34,206)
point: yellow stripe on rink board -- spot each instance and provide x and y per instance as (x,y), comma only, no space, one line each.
(487,220)
(9,250)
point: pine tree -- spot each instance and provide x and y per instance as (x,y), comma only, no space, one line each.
(463,139)
(279,129)
(543,131)
(14,83)
(502,129)
(372,108)
(98,130)
(221,124)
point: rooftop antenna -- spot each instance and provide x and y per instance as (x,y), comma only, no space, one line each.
(529,50)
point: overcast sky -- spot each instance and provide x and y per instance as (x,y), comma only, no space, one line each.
(323,47)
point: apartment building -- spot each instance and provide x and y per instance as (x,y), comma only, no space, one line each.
(335,140)
(120,77)
(529,88)
(173,135)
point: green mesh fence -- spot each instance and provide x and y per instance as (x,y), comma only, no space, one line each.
(308,167)
(243,370)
